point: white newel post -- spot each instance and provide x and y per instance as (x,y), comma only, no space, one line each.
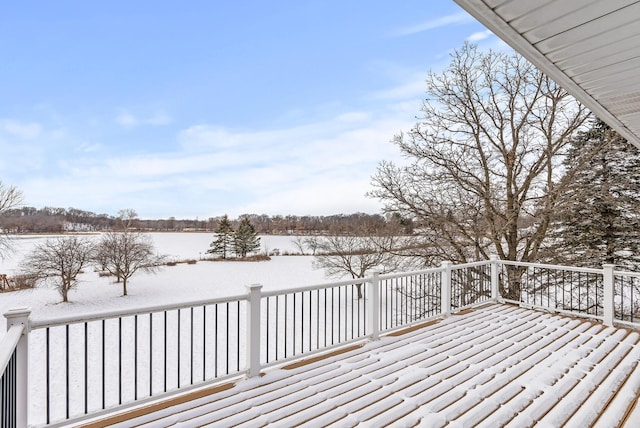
(608,294)
(374,306)
(495,291)
(21,316)
(253,329)
(446,288)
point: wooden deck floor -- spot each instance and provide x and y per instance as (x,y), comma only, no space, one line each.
(495,366)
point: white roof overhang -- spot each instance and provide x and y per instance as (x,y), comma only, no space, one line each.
(589,47)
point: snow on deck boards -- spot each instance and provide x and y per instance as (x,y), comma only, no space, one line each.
(498,365)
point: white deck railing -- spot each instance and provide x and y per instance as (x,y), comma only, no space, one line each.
(88,366)
(14,349)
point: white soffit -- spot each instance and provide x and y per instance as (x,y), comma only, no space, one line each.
(590,47)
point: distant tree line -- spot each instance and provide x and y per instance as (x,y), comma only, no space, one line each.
(60,220)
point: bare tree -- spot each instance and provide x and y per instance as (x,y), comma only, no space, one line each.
(10,198)
(306,243)
(483,172)
(299,242)
(59,260)
(124,253)
(128,218)
(312,244)
(355,256)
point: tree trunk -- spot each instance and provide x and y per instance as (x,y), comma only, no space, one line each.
(64,291)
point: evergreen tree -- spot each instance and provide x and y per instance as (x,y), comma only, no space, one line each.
(599,217)
(222,245)
(246,239)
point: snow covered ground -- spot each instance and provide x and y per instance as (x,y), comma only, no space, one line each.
(172,284)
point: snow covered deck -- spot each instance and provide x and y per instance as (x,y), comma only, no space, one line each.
(494,365)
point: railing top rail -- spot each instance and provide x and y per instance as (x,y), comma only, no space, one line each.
(282,292)
(550,266)
(411,273)
(471,264)
(435,269)
(8,344)
(626,273)
(36,324)
(131,312)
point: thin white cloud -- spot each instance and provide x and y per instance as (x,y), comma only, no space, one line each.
(413,89)
(129,120)
(443,21)
(356,116)
(480,35)
(158,119)
(317,198)
(86,147)
(58,134)
(203,137)
(318,168)
(25,131)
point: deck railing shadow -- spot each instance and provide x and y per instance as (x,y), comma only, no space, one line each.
(83,367)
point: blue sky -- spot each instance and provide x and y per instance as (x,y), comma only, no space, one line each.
(201,108)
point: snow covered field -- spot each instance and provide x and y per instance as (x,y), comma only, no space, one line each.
(171,284)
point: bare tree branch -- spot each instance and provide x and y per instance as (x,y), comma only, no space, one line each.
(124,253)
(483,168)
(10,198)
(59,260)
